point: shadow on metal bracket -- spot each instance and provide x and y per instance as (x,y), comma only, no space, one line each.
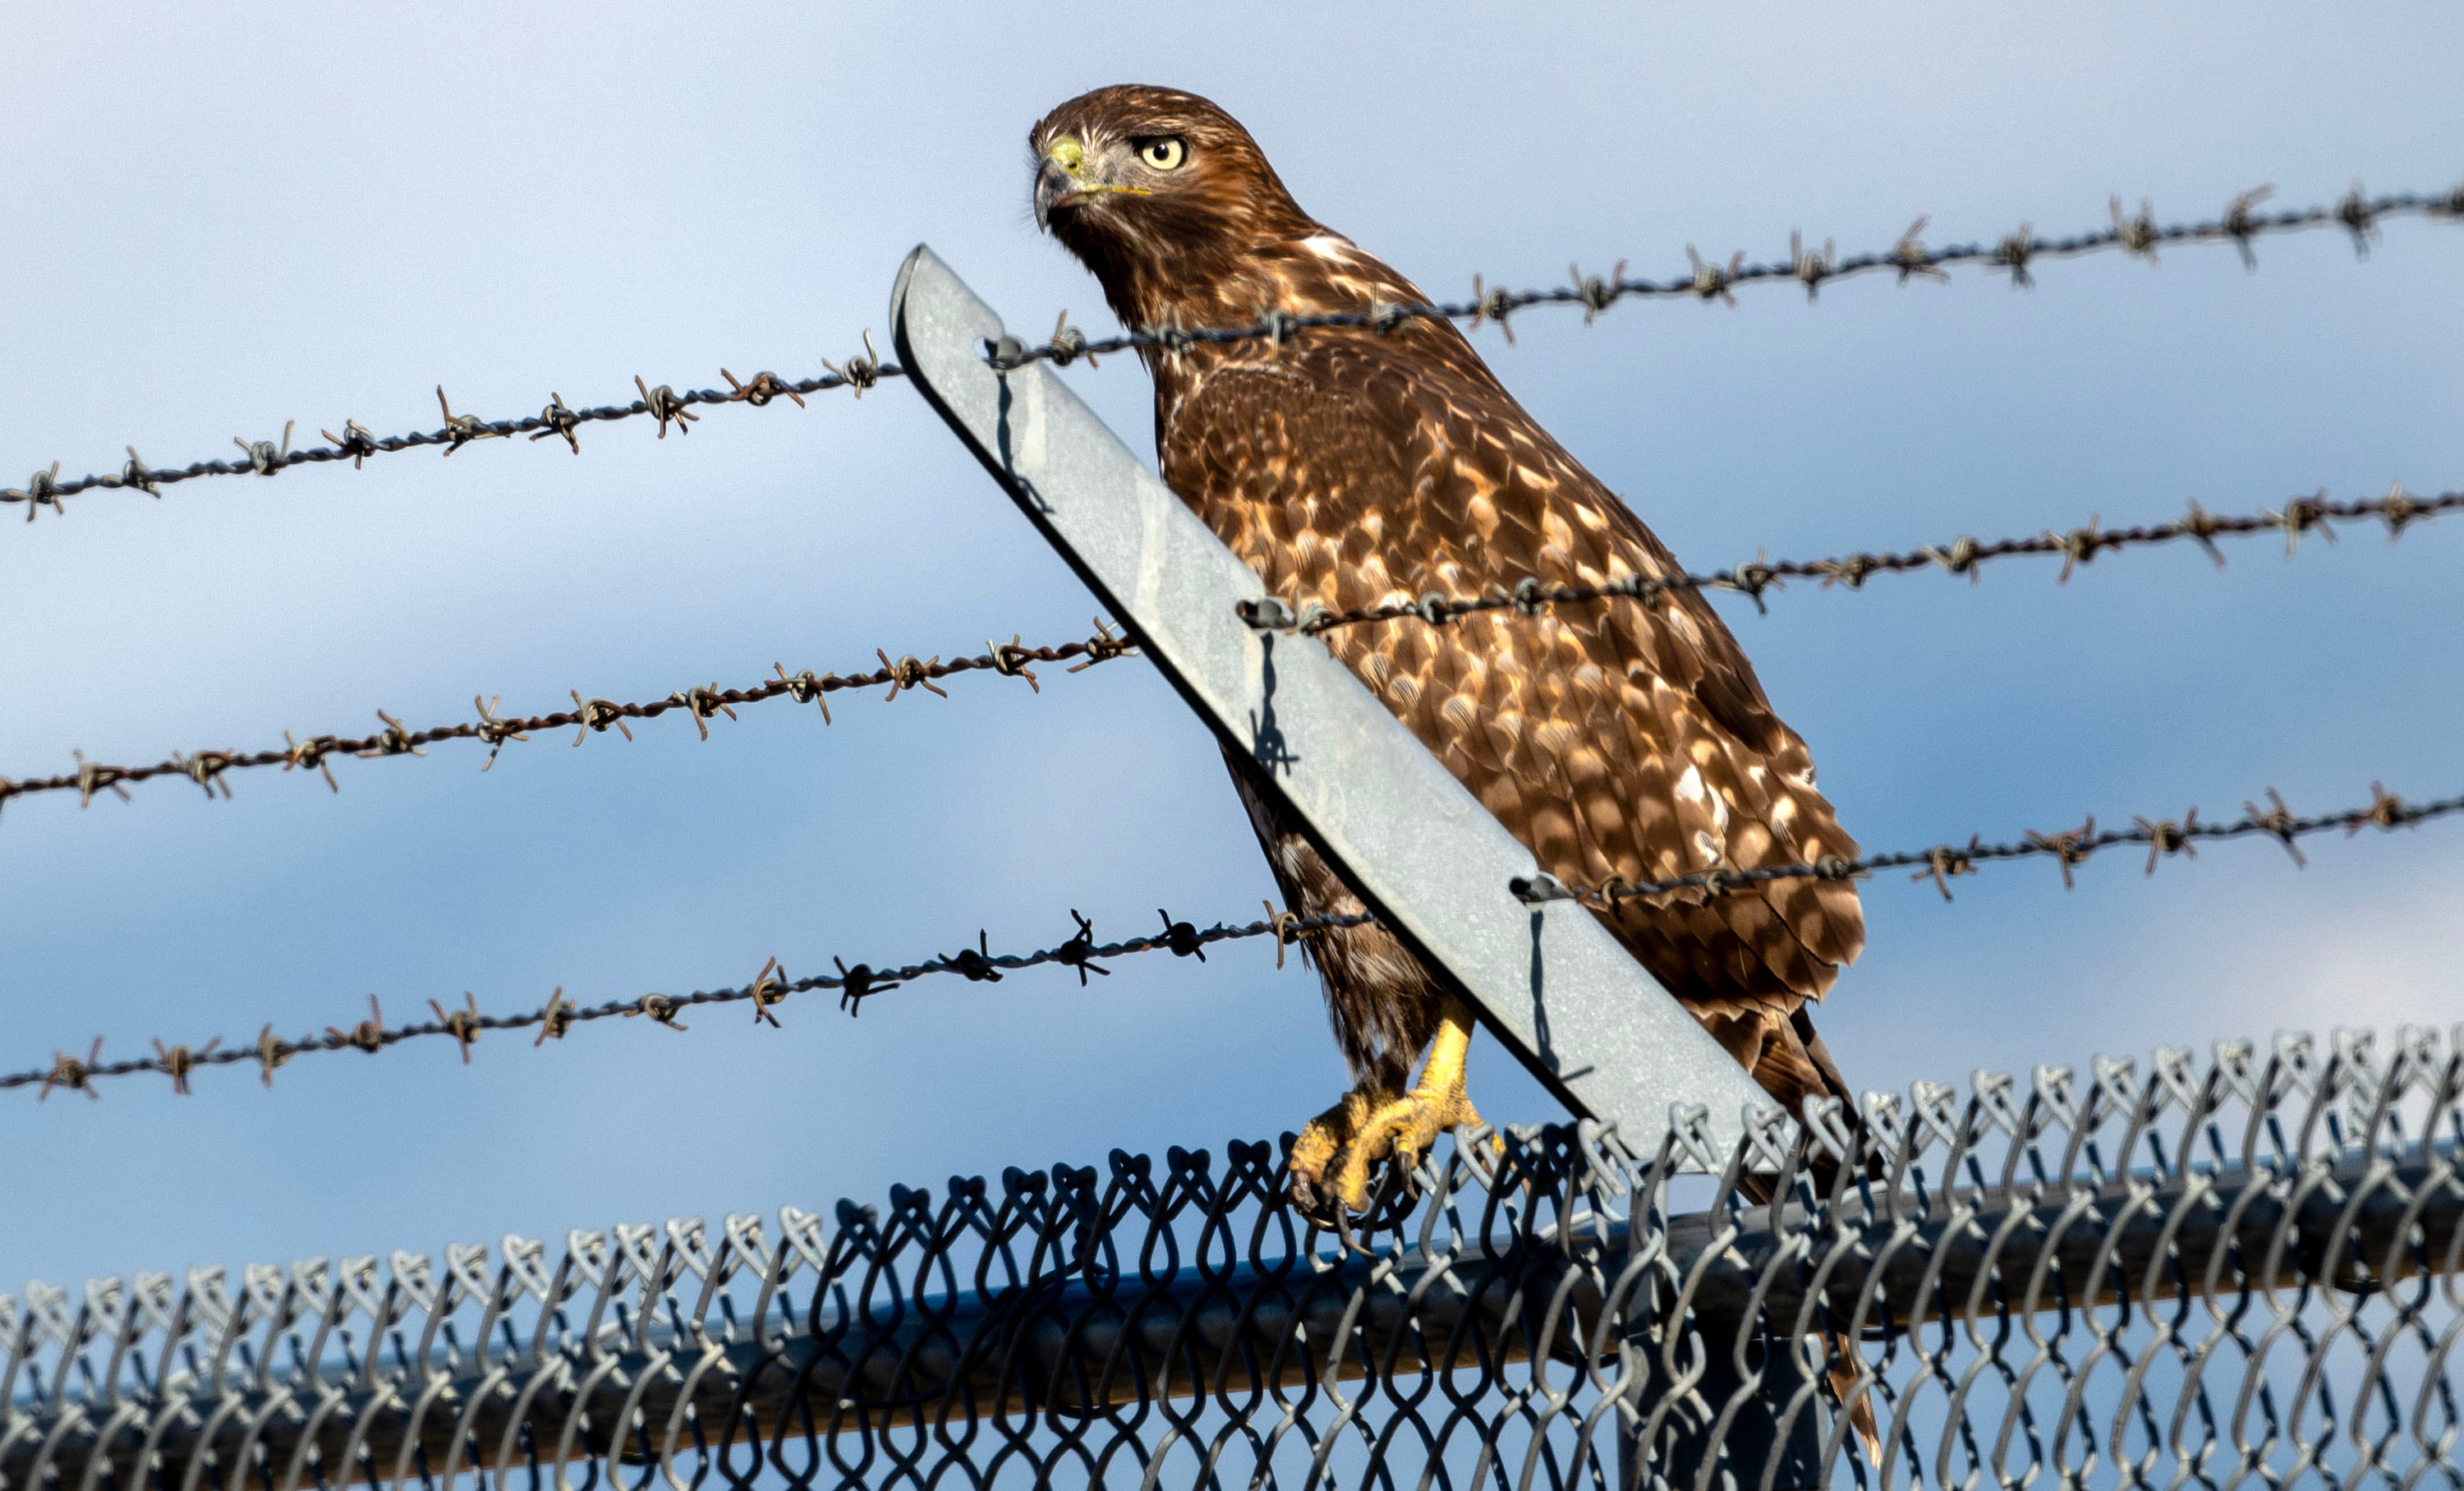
(1547,980)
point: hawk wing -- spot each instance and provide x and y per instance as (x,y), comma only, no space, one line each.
(1613,739)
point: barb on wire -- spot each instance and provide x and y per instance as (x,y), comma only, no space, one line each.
(2068,849)
(1963,555)
(1080,952)
(768,990)
(1706,280)
(210,768)
(555,421)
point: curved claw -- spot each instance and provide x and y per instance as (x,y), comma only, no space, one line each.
(1338,1151)
(1402,1130)
(1323,1142)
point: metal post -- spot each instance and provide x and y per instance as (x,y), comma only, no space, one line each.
(1550,981)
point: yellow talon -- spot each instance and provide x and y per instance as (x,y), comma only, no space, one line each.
(1325,1138)
(1370,1124)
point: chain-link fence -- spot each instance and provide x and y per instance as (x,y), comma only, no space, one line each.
(2223,1274)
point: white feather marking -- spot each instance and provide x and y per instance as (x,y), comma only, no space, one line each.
(1707,846)
(1691,789)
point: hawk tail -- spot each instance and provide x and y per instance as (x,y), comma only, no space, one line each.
(1795,1065)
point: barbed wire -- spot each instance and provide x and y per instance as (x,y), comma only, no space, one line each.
(768,988)
(47,488)
(207,768)
(1942,863)
(1183,938)
(1963,555)
(2241,224)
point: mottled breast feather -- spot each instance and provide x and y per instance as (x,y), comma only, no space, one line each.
(1613,739)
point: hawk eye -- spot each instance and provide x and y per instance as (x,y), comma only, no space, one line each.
(1164,154)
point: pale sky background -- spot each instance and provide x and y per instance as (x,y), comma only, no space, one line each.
(226,217)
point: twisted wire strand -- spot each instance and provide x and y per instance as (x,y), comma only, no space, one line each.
(47,488)
(1963,555)
(1183,938)
(768,988)
(2071,848)
(207,768)
(2241,224)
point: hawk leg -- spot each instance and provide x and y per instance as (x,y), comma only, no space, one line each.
(1371,1125)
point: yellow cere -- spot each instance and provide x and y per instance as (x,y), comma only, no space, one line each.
(1071,155)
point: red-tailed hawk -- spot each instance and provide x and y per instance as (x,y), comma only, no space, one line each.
(1352,468)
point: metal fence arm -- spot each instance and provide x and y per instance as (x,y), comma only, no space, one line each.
(1548,981)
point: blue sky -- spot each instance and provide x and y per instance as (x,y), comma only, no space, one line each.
(235,216)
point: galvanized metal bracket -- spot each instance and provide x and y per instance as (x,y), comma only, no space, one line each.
(1547,980)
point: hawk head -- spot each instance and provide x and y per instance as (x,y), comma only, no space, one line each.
(1159,192)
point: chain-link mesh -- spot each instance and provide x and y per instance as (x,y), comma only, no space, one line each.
(2241,1272)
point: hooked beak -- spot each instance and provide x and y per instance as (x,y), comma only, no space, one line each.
(1063,181)
(1057,189)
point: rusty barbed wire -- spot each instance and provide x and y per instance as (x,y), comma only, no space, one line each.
(2240,224)
(768,988)
(46,488)
(208,768)
(2069,848)
(1963,555)
(1081,954)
